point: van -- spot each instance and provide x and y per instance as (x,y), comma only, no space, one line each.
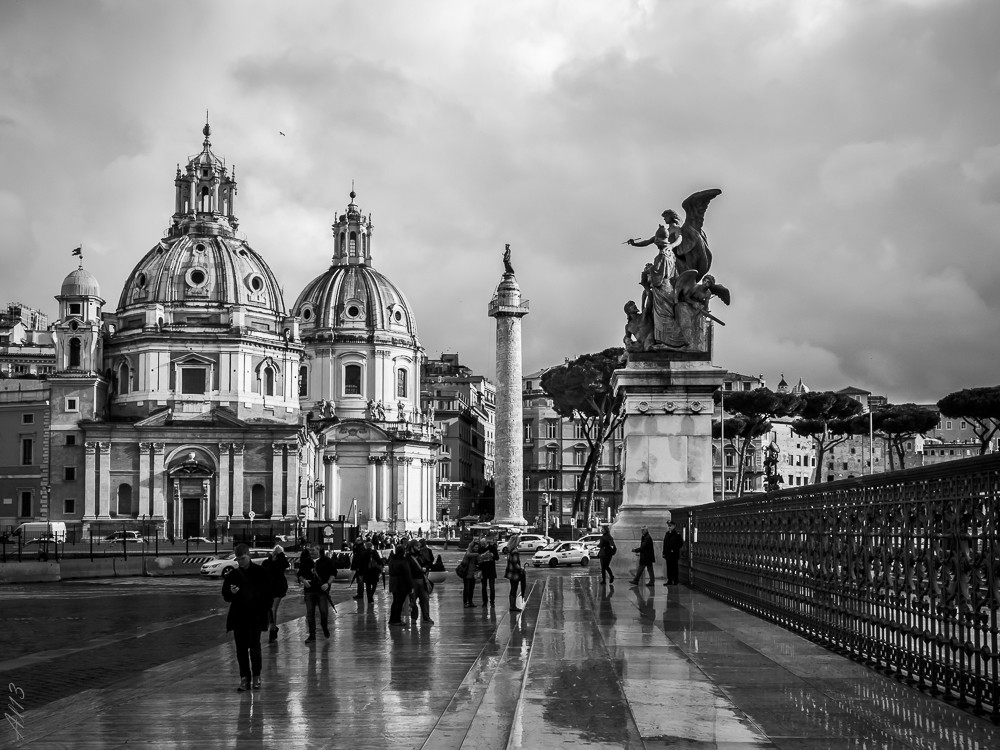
(42,529)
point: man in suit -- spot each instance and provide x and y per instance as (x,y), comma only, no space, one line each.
(247,588)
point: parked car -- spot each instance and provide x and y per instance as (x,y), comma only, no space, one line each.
(530,542)
(562,553)
(124,537)
(223,564)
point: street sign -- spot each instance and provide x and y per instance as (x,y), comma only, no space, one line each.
(250,515)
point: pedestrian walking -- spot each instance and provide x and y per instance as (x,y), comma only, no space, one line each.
(368,569)
(248,592)
(673,541)
(514,571)
(488,570)
(471,570)
(606,550)
(421,584)
(646,557)
(400,583)
(357,552)
(315,572)
(275,566)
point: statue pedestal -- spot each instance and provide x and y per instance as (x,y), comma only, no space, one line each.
(667,459)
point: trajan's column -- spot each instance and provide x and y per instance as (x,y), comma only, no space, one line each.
(507,307)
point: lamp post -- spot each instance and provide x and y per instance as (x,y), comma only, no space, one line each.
(545,512)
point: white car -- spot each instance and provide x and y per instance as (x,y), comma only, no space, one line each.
(219,567)
(563,553)
(591,542)
(530,542)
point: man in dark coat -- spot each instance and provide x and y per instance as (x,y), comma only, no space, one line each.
(315,572)
(400,583)
(248,591)
(646,557)
(672,543)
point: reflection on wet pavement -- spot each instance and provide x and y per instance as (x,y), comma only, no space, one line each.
(584,666)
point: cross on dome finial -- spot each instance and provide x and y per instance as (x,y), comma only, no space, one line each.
(207,130)
(353,194)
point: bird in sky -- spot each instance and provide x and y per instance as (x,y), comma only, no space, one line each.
(280,133)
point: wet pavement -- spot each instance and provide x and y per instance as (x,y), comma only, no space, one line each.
(583,666)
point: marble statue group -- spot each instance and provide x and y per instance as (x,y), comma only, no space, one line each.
(676,285)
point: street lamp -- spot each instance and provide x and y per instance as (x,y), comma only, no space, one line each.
(545,512)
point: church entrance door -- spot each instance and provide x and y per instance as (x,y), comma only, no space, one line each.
(191,517)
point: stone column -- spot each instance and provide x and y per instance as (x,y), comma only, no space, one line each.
(225,497)
(375,483)
(329,472)
(156,480)
(291,507)
(241,503)
(145,487)
(105,481)
(90,505)
(508,309)
(277,453)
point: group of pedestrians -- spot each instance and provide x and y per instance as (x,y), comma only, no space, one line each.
(409,564)
(673,541)
(480,564)
(254,592)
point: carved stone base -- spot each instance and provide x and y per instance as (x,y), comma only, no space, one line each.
(667,461)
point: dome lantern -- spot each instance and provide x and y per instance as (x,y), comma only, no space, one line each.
(352,236)
(205,194)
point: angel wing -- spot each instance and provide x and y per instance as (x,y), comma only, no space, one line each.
(693,252)
(720,291)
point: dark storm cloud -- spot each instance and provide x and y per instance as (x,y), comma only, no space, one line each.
(855,143)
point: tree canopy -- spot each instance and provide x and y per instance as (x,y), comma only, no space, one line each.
(898,423)
(980,407)
(753,411)
(825,416)
(581,390)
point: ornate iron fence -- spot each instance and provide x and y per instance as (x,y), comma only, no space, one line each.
(899,570)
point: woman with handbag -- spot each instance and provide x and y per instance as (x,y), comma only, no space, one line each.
(275,565)
(471,563)
(515,571)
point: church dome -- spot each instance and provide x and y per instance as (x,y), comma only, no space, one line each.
(352,301)
(201,264)
(80,283)
(355,300)
(200,270)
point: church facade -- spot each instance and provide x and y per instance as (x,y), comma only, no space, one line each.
(203,404)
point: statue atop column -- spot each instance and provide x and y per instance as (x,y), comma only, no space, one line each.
(507,267)
(676,284)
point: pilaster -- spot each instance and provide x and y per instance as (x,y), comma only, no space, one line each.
(105,480)
(277,486)
(223,491)
(90,508)
(241,504)
(156,482)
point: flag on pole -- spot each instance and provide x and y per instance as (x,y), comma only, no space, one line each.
(78,251)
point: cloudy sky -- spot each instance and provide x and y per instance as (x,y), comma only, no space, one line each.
(856,143)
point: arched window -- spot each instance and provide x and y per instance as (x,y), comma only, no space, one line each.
(303,381)
(124,500)
(74,352)
(268,381)
(124,378)
(352,379)
(401,383)
(206,200)
(352,247)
